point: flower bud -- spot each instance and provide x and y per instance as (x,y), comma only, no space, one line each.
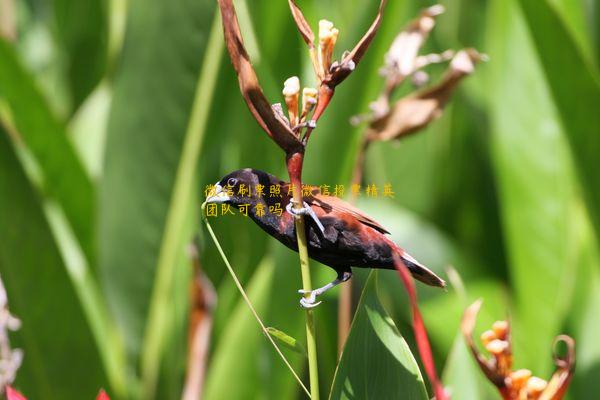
(291,91)
(309,100)
(497,346)
(519,378)
(487,336)
(500,328)
(535,387)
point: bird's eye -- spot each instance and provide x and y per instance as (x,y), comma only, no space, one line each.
(232,182)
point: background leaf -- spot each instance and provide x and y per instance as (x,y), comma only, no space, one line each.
(82,28)
(153,93)
(574,83)
(45,137)
(536,188)
(60,355)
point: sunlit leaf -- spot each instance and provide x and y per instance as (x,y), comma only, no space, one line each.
(376,362)
(536,188)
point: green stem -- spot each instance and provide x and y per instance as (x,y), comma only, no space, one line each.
(295,171)
(249,303)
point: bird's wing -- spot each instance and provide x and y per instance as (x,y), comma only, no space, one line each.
(328,204)
(335,204)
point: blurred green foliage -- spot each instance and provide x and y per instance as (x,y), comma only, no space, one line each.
(116,114)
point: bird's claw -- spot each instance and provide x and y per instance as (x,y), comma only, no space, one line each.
(311,300)
(305,303)
(305,210)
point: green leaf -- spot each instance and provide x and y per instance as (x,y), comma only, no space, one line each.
(376,362)
(236,358)
(61,360)
(82,29)
(462,376)
(536,187)
(153,94)
(64,177)
(574,84)
(286,340)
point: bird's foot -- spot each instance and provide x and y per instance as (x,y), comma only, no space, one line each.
(305,210)
(311,300)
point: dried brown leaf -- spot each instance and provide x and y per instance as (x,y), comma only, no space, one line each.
(402,55)
(353,57)
(275,127)
(414,112)
(467,326)
(302,24)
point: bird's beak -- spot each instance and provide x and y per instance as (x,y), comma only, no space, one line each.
(217,195)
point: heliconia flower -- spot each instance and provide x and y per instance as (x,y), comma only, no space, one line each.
(415,111)
(329,73)
(519,384)
(285,131)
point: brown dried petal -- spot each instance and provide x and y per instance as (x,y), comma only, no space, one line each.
(249,86)
(467,326)
(353,57)
(302,24)
(403,52)
(557,387)
(414,112)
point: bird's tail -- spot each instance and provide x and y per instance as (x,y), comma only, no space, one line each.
(421,272)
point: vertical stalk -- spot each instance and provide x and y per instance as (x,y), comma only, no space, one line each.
(294,164)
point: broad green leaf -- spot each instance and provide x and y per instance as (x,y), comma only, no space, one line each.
(82,29)
(574,84)
(536,187)
(376,362)
(61,360)
(153,93)
(45,137)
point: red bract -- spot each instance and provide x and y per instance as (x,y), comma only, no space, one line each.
(102,395)
(420,331)
(13,394)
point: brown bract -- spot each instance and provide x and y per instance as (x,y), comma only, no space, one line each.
(262,111)
(520,384)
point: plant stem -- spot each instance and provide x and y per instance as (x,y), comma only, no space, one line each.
(294,163)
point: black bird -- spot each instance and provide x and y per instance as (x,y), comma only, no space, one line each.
(339,234)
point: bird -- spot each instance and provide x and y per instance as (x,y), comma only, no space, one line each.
(339,234)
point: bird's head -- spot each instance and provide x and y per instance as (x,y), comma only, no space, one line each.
(238,187)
